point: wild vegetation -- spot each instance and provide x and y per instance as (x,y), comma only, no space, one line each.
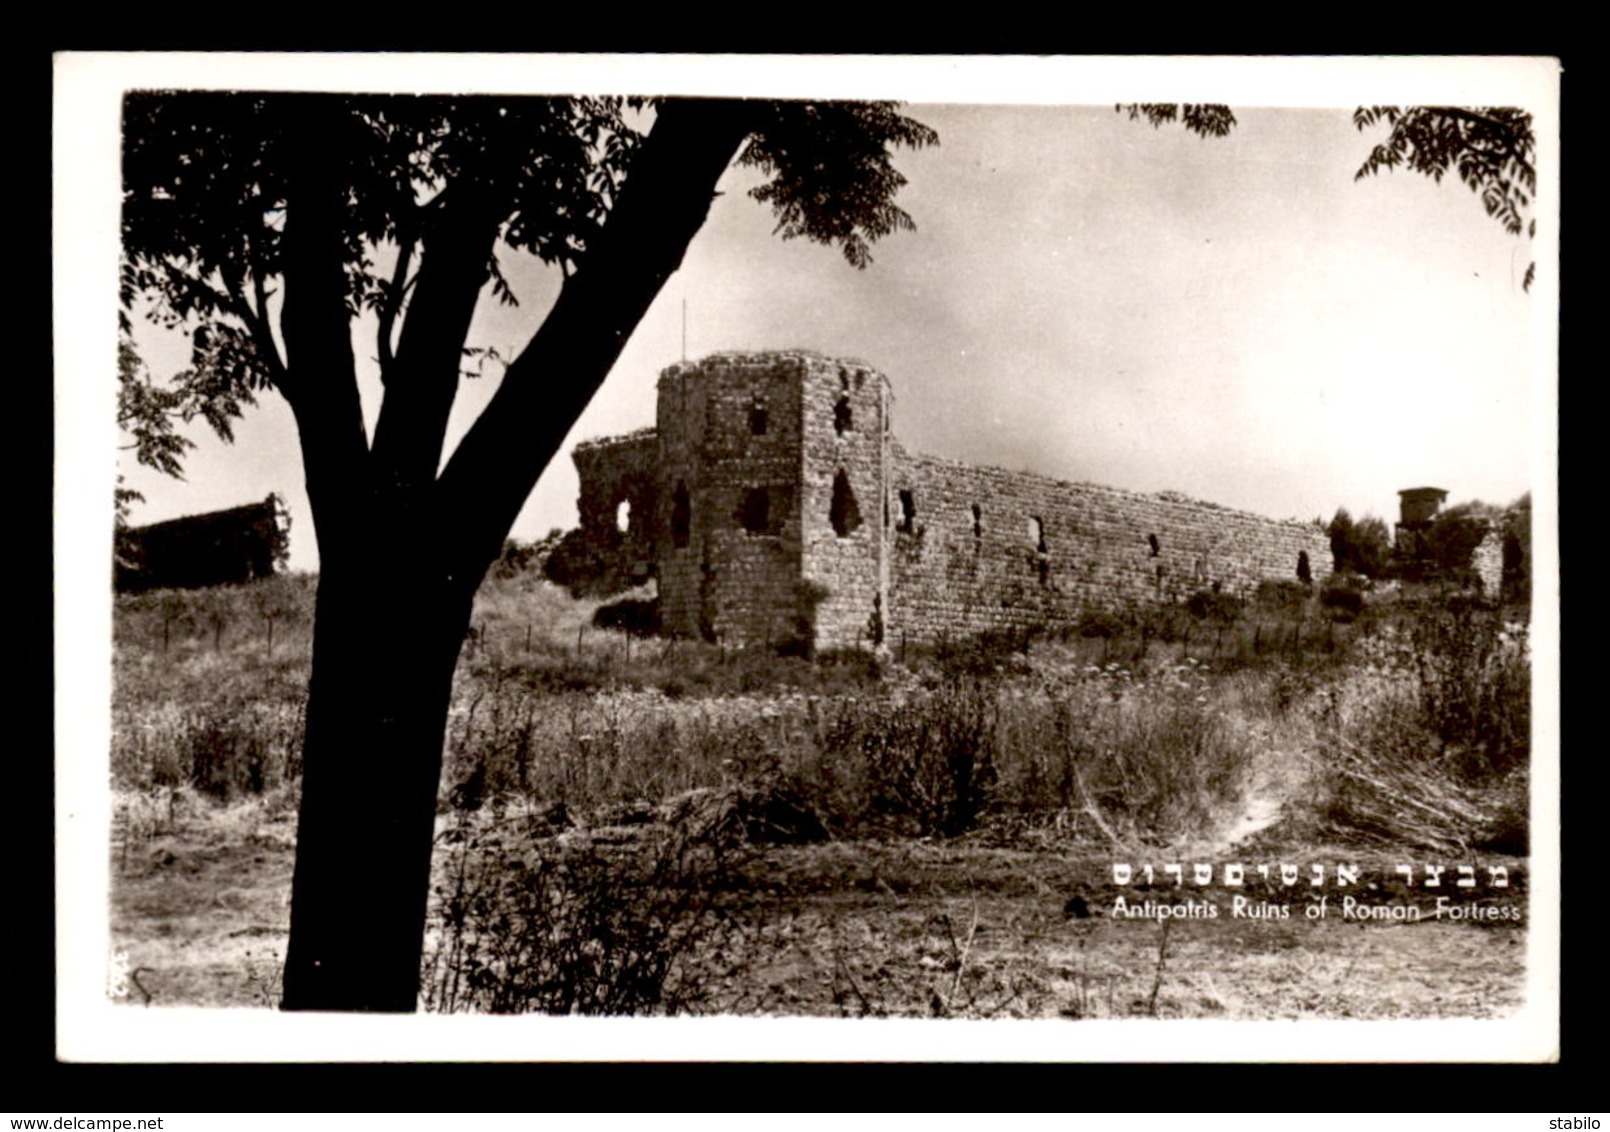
(623,819)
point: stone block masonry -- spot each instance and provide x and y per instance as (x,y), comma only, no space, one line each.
(776,506)
(985,548)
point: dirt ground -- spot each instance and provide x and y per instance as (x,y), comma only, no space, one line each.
(973,928)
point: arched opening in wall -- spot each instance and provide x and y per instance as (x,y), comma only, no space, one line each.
(681,516)
(759,420)
(623,516)
(1157,547)
(1037,534)
(754,513)
(843,417)
(844,513)
(1305,569)
(908,513)
(978,522)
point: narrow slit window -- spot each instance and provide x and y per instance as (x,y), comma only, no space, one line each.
(1305,571)
(843,416)
(623,516)
(758,419)
(755,512)
(1037,534)
(844,513)
(1157,547)
(978,521)
(908,512)
(681,516)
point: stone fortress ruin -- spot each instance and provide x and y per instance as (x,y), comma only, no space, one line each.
(774,504)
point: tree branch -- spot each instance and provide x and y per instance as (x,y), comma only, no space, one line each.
(256,321)
(423,377)
(661,206)
(321,376)
(393,304)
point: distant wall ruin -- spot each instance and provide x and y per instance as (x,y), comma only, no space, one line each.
(241,544)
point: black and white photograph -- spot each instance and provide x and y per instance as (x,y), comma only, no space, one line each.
(807,558)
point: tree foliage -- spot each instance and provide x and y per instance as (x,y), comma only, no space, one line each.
(832,178)
(1362,546)
(1207,119)
(1491,149)
(205,194)
(1454,535)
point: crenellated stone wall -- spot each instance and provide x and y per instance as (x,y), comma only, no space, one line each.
(778,507)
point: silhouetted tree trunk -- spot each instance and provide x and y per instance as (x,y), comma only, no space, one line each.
(403,550)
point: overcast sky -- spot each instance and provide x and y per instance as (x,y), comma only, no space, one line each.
(1092,299)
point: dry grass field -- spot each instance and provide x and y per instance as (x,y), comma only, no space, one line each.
(631,825)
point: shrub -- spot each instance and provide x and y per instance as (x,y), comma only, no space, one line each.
(638,616)
(1098,625)
(1363,547)
(927,768)
(1208,605)
(1285,595)
(1343,595)
(526,923)
(1434,745)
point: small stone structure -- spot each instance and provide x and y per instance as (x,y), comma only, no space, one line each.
(1418,509)
(774,505)
(216,548)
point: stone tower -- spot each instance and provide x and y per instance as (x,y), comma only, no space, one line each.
(771,471)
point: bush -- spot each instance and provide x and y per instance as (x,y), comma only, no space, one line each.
(1221,608)
(1434,749)
(1363,547)
(638,616)
(1096,624)
(1343,595)
(927,769)
(542,924)
(1284,596)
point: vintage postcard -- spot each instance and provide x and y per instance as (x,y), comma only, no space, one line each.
(675,558)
